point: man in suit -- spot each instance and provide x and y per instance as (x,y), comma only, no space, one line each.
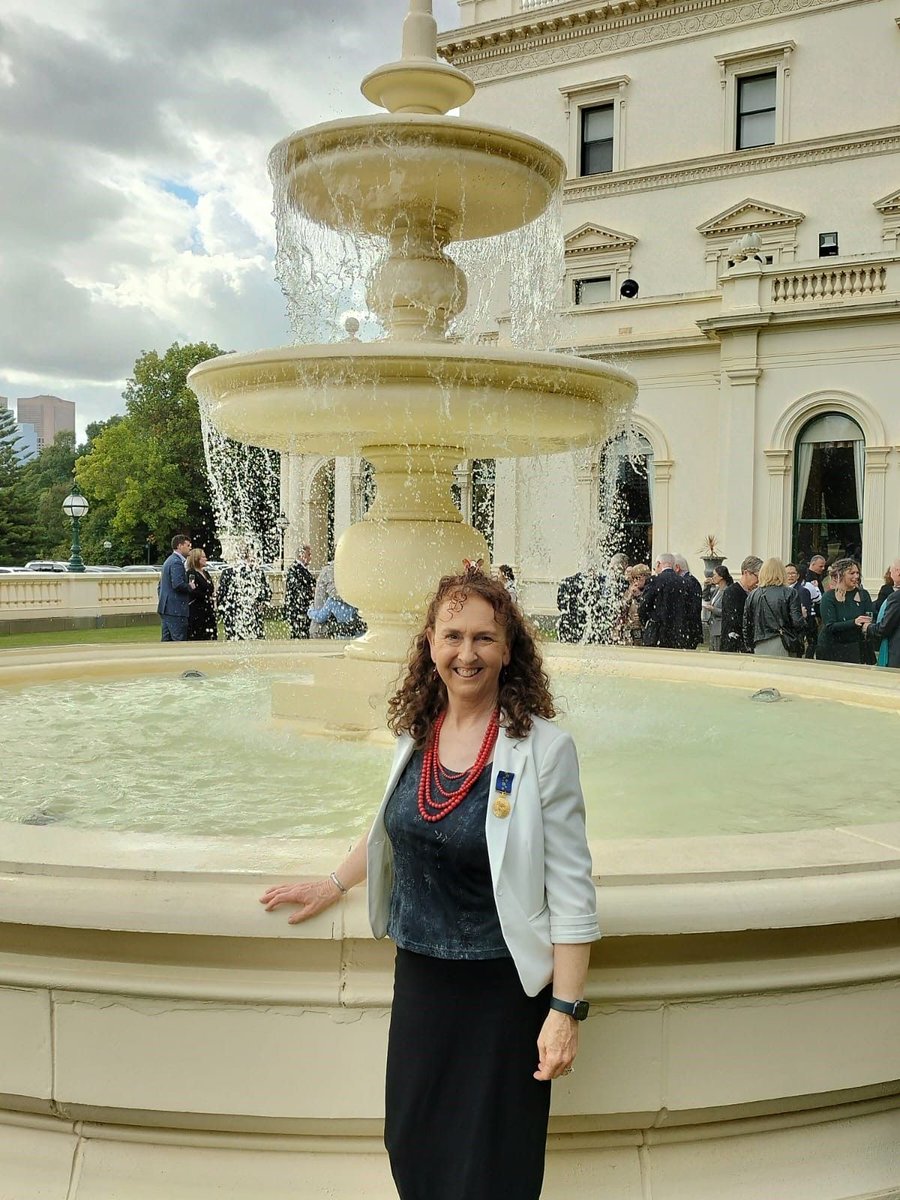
(692,631)
(662,606)
(733,600)
(299,589)
(174,591)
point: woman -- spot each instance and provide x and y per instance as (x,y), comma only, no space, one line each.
(480,872)
(629,627)
(886,626)
(885,590)
(773,618)
(202,604)
(712,608)
(845,611)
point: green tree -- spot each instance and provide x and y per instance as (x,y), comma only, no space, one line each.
(44,483)
(146,471)
(16,525)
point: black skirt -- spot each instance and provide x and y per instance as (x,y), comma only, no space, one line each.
(465,1119)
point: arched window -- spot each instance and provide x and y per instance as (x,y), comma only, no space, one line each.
(321,513)
(624,497)
(829,472)
(473,495)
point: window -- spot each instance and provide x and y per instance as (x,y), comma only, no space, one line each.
(756,96)
(593,291)
(596,139)
(829,472)
(755,110)
(473,495)
(596,116)
(624,501)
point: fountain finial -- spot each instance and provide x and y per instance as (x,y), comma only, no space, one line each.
(418,83)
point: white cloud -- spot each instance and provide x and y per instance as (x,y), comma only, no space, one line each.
(102,104)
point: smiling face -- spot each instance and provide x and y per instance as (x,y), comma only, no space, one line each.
(850,578)
(469,649)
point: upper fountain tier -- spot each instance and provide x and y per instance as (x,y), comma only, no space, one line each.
(382,173)
(417,179)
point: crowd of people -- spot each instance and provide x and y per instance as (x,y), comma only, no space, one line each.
(192,604)
(772,608)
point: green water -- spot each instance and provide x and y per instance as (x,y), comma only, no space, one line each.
(658,759)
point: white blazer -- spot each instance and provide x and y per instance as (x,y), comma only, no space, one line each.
(539,857)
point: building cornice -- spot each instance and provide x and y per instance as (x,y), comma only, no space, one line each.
(742,162)
(567,33)
(845,313)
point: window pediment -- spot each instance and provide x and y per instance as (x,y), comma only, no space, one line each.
(889,206)
(750,216)
(591,239)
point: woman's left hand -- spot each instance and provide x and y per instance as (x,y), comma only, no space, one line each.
(557,1045)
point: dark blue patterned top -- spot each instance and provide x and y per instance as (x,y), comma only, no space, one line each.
(442,900)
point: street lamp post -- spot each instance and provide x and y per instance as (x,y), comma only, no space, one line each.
(107,546)
(75,506)
(281,524)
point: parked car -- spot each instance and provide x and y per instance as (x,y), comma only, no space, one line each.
(137,569)
(104,570)
(46,564)
(11,570)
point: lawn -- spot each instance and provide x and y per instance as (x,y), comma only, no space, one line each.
(135,634)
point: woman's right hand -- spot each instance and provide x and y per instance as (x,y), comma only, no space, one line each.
(312,898)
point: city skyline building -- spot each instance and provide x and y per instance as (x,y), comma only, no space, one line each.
(48,415)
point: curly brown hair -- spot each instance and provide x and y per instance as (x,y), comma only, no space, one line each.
(524,685)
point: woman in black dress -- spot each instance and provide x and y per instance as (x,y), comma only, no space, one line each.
(202,606)
(478,868)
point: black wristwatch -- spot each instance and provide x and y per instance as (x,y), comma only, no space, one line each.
(578,1009)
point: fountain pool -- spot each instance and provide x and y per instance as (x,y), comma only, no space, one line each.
(162,1036)
(659,759)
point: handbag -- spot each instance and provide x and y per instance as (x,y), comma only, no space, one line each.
(794,643)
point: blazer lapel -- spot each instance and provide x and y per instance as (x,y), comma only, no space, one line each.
(509,757)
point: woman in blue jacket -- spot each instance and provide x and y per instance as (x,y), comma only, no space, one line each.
(478,867)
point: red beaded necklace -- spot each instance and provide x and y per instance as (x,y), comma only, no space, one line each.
(435,810)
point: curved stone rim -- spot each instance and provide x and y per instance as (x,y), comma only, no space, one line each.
(660,886)
(292,381)
(483,148)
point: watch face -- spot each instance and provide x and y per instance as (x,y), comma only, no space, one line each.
(580,1010)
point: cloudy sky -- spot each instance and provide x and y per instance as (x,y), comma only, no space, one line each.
(135,208)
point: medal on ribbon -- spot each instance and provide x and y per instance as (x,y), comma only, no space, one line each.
(501,806)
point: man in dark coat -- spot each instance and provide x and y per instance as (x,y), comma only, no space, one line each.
(692,631)
(662,607)
(733,600)
(299,589)
(570,602)
(174,592)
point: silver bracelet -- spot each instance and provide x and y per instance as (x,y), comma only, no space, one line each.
(337,883)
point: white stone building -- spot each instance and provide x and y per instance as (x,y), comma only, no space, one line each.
(769,405)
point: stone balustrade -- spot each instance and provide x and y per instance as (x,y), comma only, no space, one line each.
(845,282)
(36,599)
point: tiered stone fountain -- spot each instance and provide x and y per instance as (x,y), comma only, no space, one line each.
(414,404)
(161,1036)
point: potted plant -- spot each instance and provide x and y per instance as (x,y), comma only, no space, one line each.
(709,552)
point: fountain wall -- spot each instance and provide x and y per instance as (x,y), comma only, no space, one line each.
(161,1035)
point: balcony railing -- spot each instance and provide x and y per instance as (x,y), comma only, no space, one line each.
(838,283)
